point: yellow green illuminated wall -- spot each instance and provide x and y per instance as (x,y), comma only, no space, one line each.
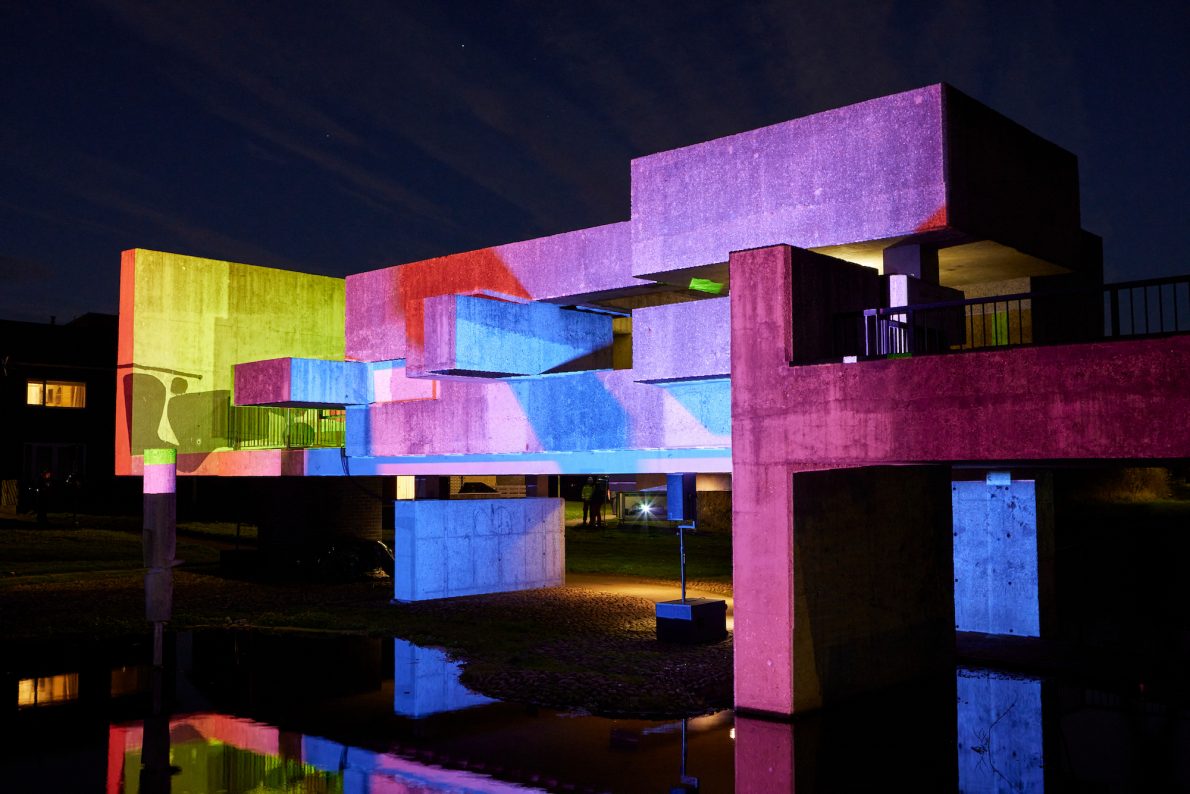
(186,321)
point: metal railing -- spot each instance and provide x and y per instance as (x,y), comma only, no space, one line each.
(258,427)
(1153,307)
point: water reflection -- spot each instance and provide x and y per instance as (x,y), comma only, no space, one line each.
(218,753)
(252,712)
(426,682)
(1000,736)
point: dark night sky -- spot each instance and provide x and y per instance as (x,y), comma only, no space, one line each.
(339,137)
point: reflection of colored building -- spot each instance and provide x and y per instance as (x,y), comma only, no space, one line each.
(776,308)
(215,752)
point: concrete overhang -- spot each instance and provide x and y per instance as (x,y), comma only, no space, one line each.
(301,383)
(930,166)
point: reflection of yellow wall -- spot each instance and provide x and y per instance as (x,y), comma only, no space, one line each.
(194,319)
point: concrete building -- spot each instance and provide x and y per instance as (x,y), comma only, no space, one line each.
(875,319)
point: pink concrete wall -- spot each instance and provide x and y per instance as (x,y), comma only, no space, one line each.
(1108,400)
(262,382)
(1124,399)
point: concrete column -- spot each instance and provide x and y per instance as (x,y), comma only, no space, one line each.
(919,261)
(160,531)
(843,584)
(1004,555)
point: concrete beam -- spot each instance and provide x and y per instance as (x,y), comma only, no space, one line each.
(301,383)
(682,341)
(469,336)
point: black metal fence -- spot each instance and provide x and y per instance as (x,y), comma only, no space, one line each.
(257,427)
(1153,307)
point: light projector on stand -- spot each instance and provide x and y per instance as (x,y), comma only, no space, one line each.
(689,621)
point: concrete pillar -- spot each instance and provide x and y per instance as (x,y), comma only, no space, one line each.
(160,531)
(1004,555)
(919,261)
(843,583)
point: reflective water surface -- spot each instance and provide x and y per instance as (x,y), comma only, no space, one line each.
(246,712)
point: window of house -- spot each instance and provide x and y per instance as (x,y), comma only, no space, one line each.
(56,393)
(47,690)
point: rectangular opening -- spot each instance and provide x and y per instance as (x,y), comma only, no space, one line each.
(56,394)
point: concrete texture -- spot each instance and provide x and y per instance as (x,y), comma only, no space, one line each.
(426,681)
(559,414)
(682,341)
(1003,555)
(868,171)
(482,337)
(301,383)
(1034,403)
(391,384)
(384,306)
(184,323)
(453,548)
(872,596)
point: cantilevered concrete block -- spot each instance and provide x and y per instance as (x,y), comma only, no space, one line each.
(301,383)
(453,548)
(682,341)
(472,336)
(925,164)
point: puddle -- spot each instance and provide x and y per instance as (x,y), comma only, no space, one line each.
(249,712)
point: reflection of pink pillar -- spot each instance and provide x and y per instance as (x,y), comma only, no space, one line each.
(762,483)
(763,755)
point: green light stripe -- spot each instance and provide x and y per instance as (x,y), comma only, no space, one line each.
(154,456)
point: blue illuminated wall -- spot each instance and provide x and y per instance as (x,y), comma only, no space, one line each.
(1003,538)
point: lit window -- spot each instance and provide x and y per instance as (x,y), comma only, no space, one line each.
(44,691)
(35,393)
(56,394)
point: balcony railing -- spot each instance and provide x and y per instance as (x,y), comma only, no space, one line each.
(257,427)
(1154,307)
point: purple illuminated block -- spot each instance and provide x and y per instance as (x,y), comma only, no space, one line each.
(682,341)
(869,171)
(301,382)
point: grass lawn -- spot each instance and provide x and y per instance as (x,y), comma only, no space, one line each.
(35,552)
(649,553)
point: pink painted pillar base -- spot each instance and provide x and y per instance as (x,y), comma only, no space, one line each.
(160,534)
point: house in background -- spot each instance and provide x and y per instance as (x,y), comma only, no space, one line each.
(58,408)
